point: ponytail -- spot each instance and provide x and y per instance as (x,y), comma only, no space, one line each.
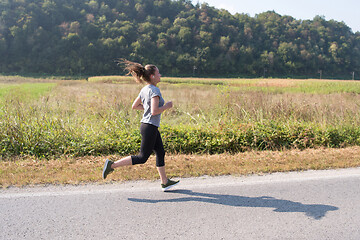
(140,73)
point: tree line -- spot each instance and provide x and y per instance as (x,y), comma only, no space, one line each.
(72,37)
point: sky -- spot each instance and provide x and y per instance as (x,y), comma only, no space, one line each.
(347,11)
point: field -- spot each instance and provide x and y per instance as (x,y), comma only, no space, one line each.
(217,126)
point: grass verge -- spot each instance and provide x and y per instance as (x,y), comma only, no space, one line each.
(70,170)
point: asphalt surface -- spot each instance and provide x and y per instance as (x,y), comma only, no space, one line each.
(305,205)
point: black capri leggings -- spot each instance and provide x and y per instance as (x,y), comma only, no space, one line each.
(150,141)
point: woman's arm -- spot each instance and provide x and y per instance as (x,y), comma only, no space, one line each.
(137,104)
(155,109)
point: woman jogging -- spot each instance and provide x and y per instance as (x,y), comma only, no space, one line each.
(152,103)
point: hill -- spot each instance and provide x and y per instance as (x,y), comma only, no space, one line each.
(70,37)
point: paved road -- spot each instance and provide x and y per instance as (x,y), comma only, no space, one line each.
(307,205)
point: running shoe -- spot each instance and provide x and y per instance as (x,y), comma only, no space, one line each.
(169,184)
(107,168)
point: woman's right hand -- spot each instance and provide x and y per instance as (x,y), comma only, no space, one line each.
(169,105)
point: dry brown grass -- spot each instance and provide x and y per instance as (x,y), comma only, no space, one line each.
(202,104)
(68,170)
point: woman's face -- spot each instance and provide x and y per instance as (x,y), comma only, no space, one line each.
(155,78)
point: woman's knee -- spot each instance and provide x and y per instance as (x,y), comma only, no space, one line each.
(139,159)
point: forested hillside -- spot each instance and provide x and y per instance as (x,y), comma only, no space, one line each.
(73,37)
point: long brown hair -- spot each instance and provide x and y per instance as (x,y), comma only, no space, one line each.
(140,73)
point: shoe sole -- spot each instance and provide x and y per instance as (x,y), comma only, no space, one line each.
(105,167)
(167,188)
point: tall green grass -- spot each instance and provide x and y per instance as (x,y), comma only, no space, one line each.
(94,118)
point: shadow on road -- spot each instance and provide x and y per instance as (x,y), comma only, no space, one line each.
(316,211)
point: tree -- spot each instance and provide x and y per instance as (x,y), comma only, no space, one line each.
(84,37)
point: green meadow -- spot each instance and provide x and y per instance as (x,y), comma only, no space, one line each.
(25,91)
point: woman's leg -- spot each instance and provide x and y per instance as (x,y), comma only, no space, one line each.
(109,165)
(160,157)
(151,141)
(162,174)
(148,140)
(166,183)
(126,161)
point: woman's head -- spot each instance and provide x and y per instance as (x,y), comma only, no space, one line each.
(149,74)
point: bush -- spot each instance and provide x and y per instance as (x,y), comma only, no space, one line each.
(51,138)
